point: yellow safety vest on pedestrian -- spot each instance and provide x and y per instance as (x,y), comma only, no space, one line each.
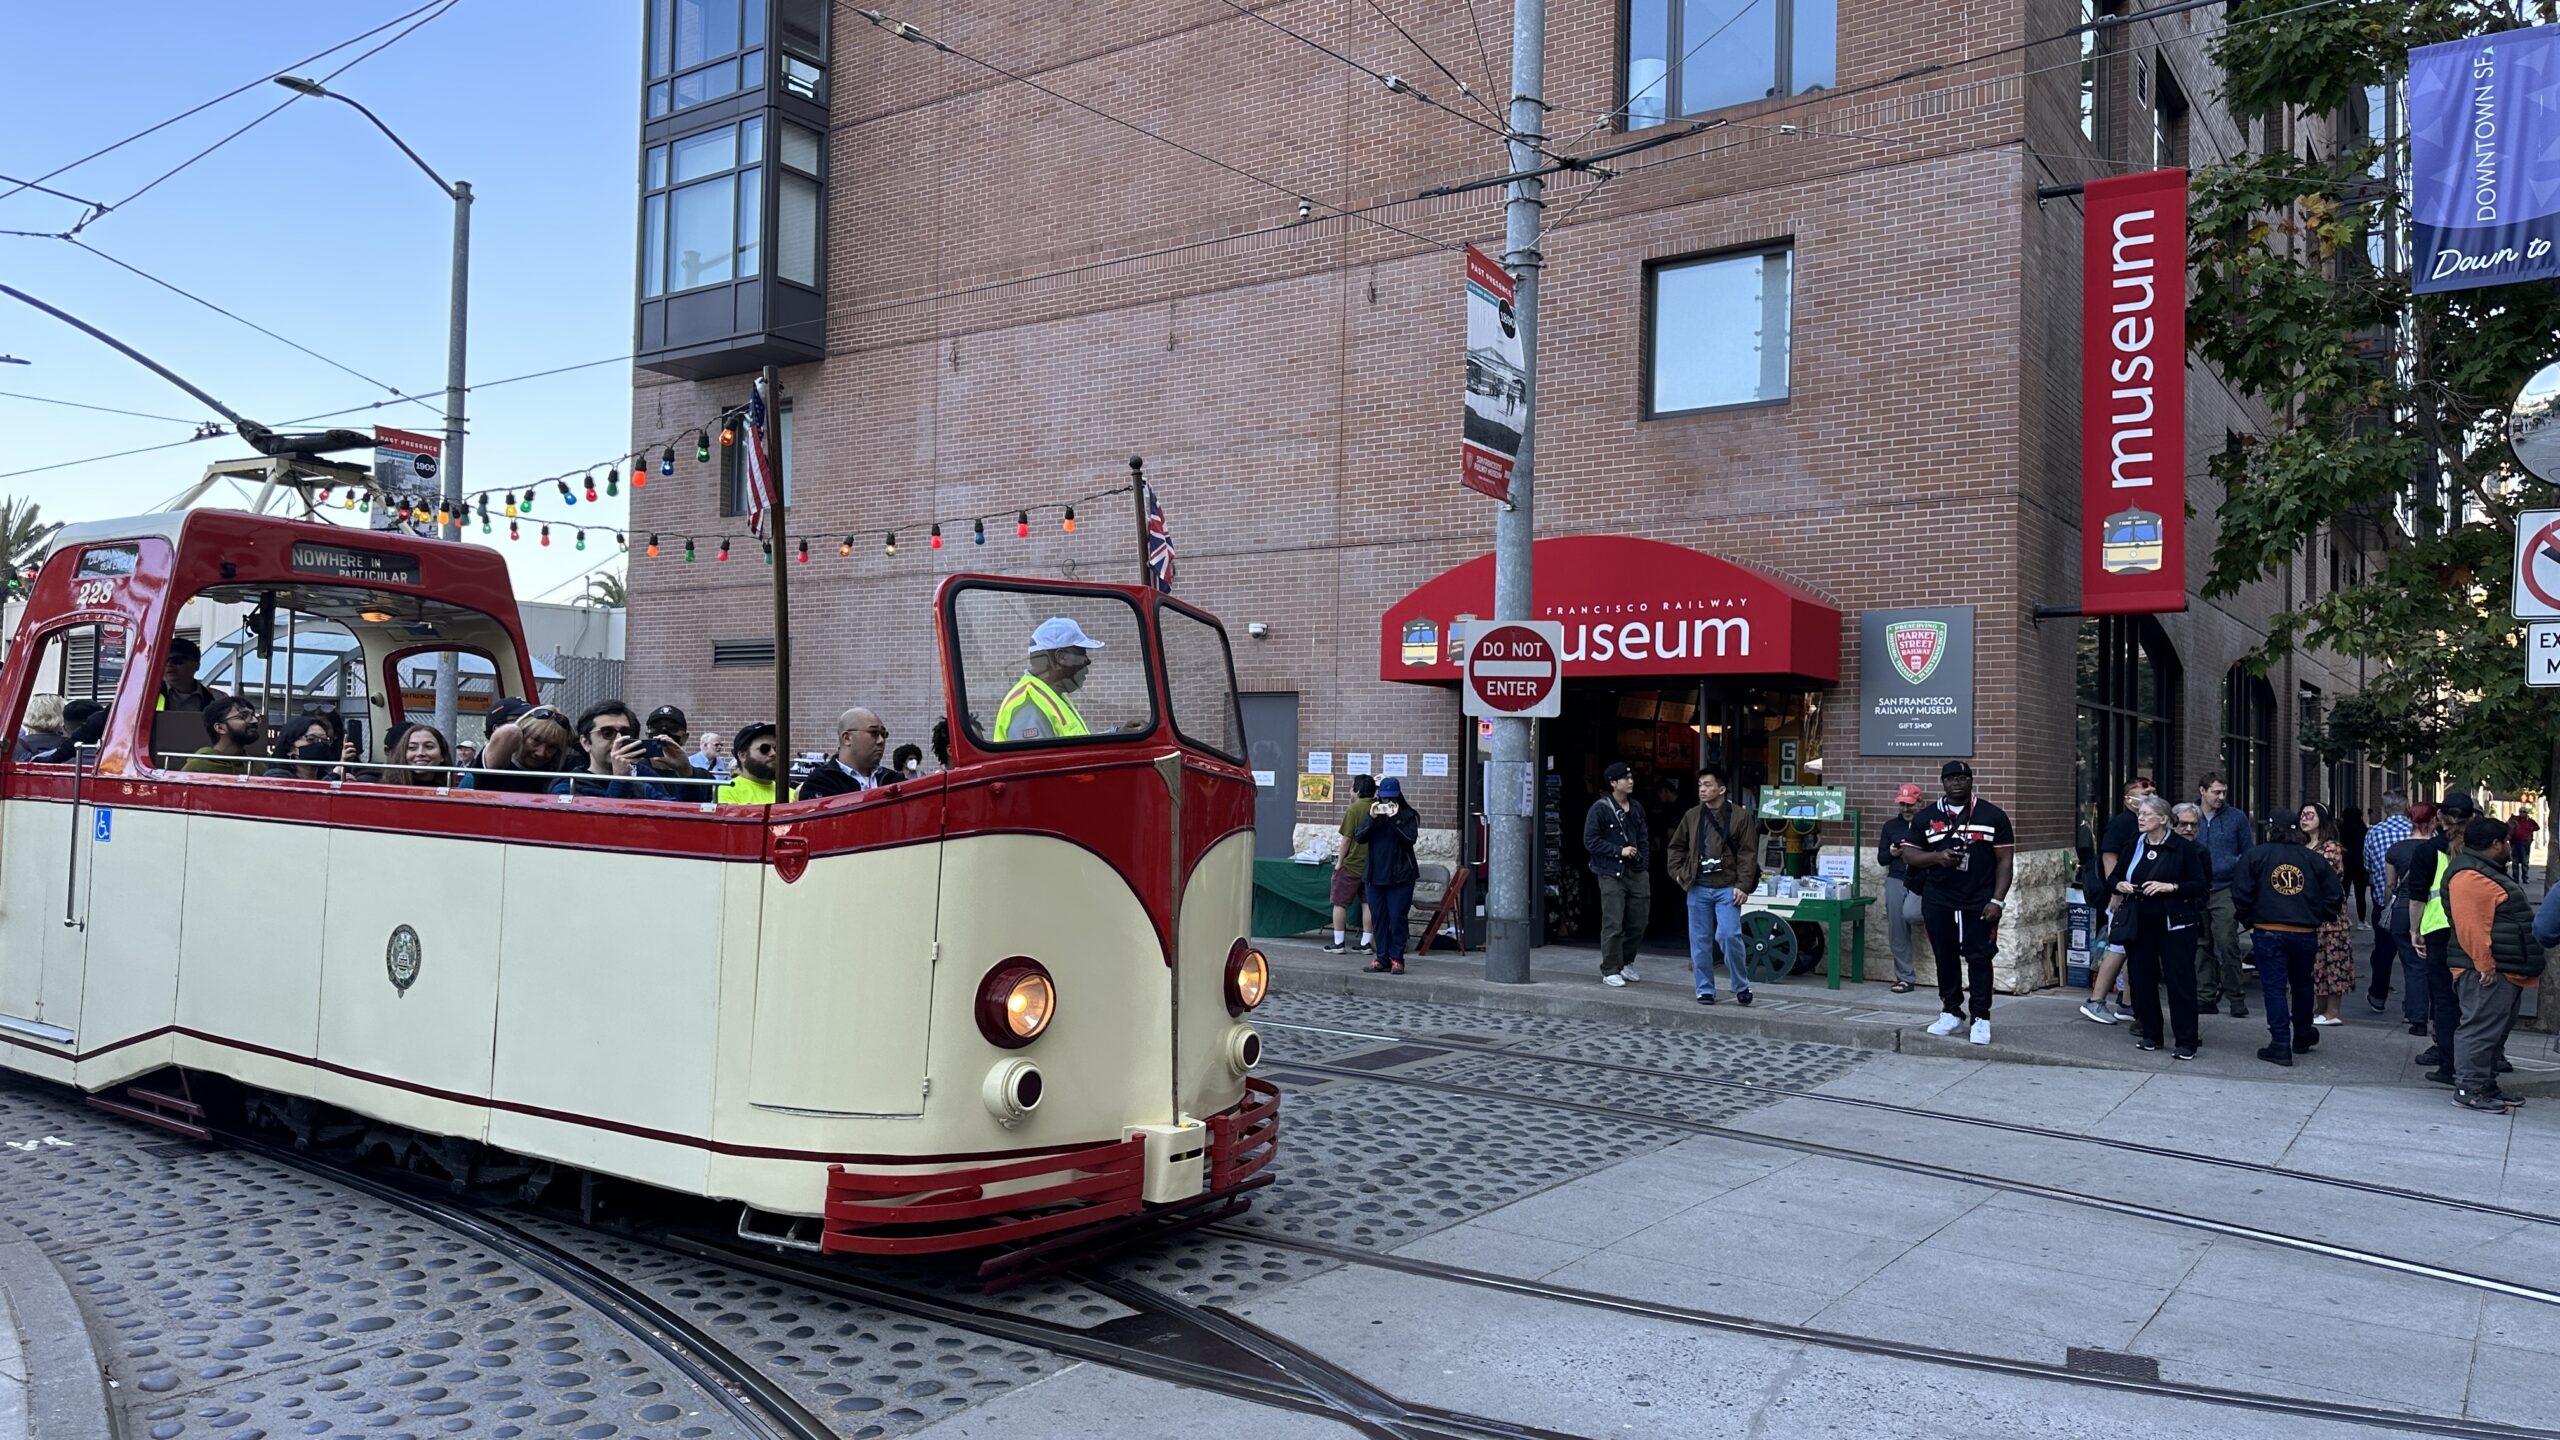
(1055,712)
(2434,916)
(746,789)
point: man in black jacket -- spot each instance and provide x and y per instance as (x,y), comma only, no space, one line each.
(2283,892)
(1619,852)
(1962,851)
(855,767)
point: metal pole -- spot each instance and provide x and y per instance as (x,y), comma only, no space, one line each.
(781,533)
(449,664)
(1513,787)
(1138,495)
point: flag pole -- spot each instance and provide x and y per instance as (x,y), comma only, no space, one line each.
(1138,491)
(778,532)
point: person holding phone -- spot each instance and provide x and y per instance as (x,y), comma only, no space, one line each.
(1390,833)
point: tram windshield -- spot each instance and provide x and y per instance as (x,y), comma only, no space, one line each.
(1200,680)
(1041,667)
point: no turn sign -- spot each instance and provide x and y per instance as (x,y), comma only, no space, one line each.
(2537,579)
(1515,668)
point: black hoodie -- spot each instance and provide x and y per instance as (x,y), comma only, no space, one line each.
(2284,886)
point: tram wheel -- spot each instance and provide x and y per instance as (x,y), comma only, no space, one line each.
(1768,946)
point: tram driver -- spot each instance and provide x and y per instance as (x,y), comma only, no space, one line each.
(1037,708)
(179,687)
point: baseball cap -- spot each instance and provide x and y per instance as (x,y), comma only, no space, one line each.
(751,732)
(1060,633)
(665,720)
(2458,805)
(1954,768)
(1390,789)
(506,711)
(1907,795)
(1616,772)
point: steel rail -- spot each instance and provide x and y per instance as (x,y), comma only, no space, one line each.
(2014,1127)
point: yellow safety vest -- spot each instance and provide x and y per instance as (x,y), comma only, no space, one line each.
(1035,692)
(2433,917)
(745,789)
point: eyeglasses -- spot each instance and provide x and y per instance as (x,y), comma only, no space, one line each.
(880,730)
(615,732)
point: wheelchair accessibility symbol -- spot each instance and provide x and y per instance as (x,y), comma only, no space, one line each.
(102,827)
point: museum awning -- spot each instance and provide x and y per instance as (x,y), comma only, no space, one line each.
(1630,608)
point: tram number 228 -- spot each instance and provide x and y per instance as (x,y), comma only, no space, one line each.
(93,592)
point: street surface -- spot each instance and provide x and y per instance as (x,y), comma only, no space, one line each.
(1783,1254)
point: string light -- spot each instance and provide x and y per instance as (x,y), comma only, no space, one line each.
(511,504)
(977,532)
(622,542)
(512,532)
(701,447)
(322,497)
(804,552)
(666,466)
(688,549)
(612,481)
(571,495)
(1070,525)
(484,515)
(728,434)
(582,539)
(653,547)
(347,501)
(724,549)
(845,550)
(890,548)
(546,534)
(444,513)
(937,535)
(1021,524)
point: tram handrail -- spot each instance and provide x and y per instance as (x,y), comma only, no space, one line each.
(334,781)
(80,757)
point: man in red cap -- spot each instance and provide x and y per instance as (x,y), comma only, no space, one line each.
(1901,902)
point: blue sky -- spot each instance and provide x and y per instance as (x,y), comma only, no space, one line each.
(314,226)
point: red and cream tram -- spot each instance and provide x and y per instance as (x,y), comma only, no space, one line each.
(1004,1001)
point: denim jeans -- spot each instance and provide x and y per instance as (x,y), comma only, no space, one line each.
(1389,908)
(2414,1003)
(1715,921)
(2284,976)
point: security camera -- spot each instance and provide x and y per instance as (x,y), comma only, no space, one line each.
(1258,630)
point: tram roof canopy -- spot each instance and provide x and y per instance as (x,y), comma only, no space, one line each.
(1631,609)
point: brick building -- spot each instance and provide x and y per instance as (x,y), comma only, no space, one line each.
(1829,342)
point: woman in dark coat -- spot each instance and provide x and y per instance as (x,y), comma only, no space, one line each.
(1389,832)
(2163,886)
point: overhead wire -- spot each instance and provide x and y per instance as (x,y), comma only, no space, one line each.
(195,110)
(1425,51)
(1483,52)
(101,409)
(1396,83)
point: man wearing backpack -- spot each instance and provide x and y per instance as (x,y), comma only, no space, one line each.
(1711,857)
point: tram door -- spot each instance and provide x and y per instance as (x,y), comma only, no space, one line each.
(47,845)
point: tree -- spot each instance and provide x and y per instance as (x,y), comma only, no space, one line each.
(606,592)
(2373,388)
(24,534)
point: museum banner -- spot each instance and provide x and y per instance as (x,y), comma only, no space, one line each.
(2133,395)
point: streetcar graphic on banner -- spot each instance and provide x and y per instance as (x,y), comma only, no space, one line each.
(2130,544)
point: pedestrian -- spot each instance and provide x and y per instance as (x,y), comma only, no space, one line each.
(1964,852)
(1389,830)
(2495,955)
(2282,892)
(2434,928)
(1351,870)
(2408,871)
(2333,951)
(1901,897)
(2375,854)
(1619,852)
(1710,856)
(2226,836)
(2520,833)
(2162,889)
(2113,851)
(2351,833)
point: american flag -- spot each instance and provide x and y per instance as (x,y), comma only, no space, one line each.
(1159,545)
(760,492)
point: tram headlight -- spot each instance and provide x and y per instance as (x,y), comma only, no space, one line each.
(1016,1002)
(1248,978)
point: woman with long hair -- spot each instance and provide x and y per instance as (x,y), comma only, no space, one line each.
(418,744)
(2333,955)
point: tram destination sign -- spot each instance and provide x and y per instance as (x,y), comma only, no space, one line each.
(1515,668)
(343,562)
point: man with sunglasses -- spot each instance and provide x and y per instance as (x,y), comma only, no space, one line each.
(610,735)
(855,767)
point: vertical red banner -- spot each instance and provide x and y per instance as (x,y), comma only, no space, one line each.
(2133,396)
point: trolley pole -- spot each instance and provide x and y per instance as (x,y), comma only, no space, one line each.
(780,534)
(1514,780)
(448,700)
(1138,496)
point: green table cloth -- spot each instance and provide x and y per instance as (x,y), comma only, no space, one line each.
(1290,898)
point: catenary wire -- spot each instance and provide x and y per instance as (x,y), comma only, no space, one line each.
(1498,130)
(101,409)
(1476,23)
(216,100)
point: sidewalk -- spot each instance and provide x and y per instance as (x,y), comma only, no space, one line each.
(2045,1028)
(52,1384)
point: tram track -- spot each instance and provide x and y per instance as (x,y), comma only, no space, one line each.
(2489,1284)
(1859,1102)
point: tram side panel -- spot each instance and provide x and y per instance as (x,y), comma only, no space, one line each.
(249,958)
(1217,903)
(128,953)
(35,850)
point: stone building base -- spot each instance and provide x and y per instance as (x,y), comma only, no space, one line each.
(2030,954)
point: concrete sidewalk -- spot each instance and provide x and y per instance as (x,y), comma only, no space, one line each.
(2045,1028)
(52,1385)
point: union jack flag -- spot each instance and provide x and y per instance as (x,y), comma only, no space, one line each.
(760,490)
(1159,545)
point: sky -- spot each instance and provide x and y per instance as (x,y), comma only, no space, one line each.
(316,227)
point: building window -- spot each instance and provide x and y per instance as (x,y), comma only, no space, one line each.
(799,211)
(733,466)
(2129,681)
(701,50)
(702,216)
(2309,726)
(2249,739)
(2093,73)
(2168,120)
(1685,57)
(1717,331)
(804,48)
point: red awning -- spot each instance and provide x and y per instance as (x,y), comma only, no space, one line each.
(1633,608)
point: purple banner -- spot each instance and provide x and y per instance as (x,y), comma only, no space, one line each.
(2484,149)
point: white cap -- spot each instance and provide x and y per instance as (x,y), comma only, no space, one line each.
(1060,633)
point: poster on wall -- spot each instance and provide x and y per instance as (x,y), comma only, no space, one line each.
(1915,681)
(2133,395)
(2484,160)
(1497,398)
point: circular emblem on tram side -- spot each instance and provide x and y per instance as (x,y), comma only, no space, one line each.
(402,958)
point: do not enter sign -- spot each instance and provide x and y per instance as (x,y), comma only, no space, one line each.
(1516,668)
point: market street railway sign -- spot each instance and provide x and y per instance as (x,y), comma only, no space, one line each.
(1516,668)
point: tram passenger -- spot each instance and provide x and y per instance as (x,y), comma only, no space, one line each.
(855,767)
(609,734)
(303,746)
(907,760)
(179,688)
(418,744)
(941,738)
(84,723)
(759,765)
(42,737)
(1037,708)
(236,727)
(539,747)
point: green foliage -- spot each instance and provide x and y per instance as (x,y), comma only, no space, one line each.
(2366,382)
(23,536)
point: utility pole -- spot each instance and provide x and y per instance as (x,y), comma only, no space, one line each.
(1514,779)
(1138,491)
(449,664)
(779,531)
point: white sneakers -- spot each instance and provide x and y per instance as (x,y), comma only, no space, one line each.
(1617,981)
(1981,1032)
(1630,973)
(1946,1024)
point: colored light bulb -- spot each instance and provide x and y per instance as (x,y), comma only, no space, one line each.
(890,546)
(804,552)
(1070,525)
(701,447)
(546,534)
(845,550)
(1022,524)
(666,466)
(724,549)
(977,532)
(512,532)
(688,549)
(511,504)
(937,537)
(653,547)
(571,496)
